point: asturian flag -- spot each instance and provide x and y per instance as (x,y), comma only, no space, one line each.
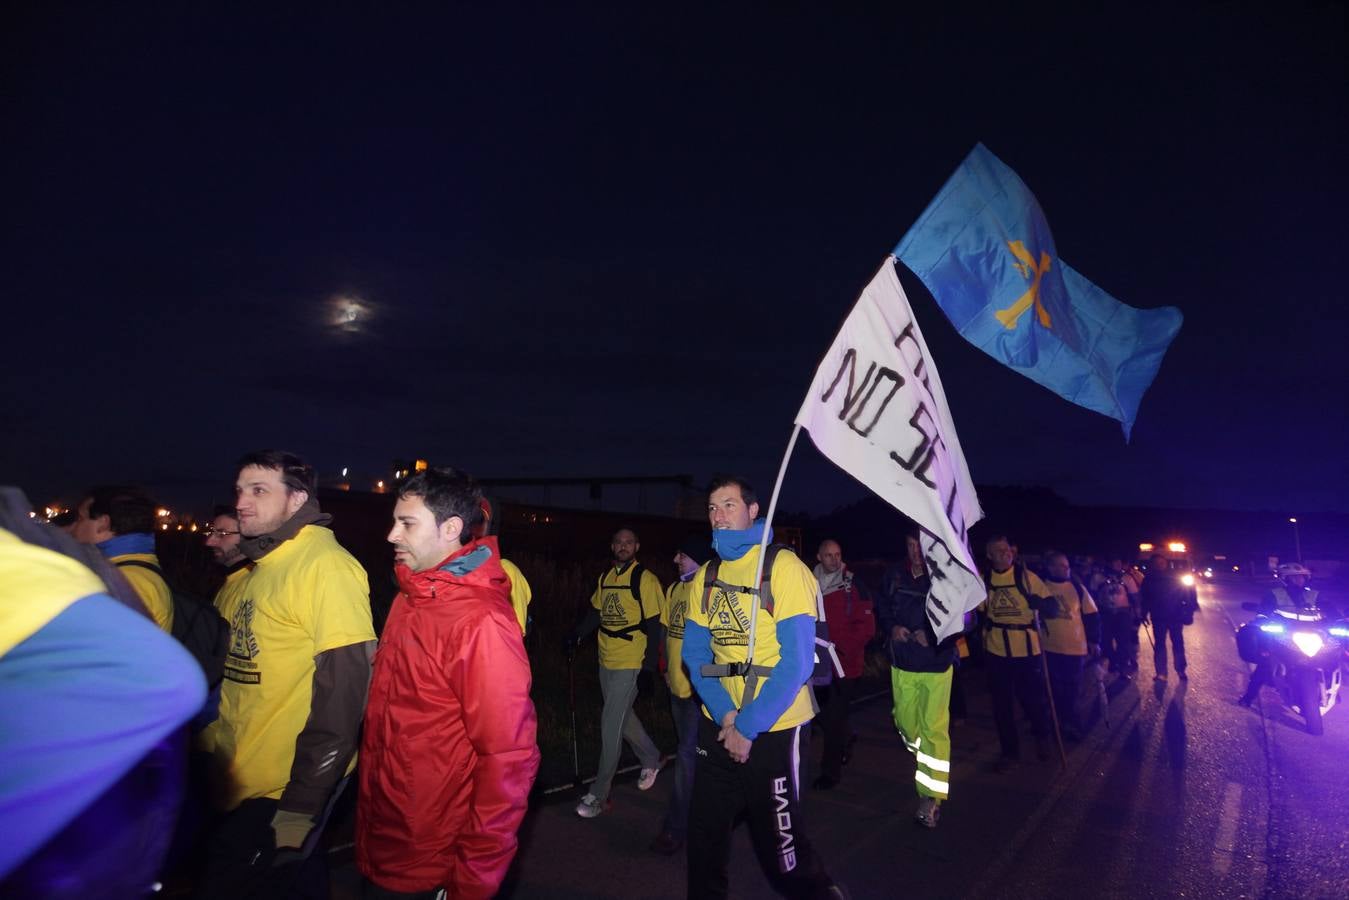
(877,409)
(984,249)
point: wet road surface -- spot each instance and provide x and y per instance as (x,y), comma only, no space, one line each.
(1183,794)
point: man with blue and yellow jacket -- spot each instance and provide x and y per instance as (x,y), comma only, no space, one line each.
(93,699)
(120,521)
(749,740)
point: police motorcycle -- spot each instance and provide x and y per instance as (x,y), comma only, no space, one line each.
(1305,652)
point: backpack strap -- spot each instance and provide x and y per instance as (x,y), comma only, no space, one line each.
(764,591)
(140,564)
(748,670)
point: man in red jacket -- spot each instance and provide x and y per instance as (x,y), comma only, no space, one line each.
(852,624)
(449,752)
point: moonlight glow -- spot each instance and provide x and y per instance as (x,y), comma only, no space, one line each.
(350,314)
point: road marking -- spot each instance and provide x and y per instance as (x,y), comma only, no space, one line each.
(1225,845)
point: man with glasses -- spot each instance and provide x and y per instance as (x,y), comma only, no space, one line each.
(222,539)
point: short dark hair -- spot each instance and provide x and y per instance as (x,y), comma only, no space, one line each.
(722,480)
(225,509)
(296,474)
(448,493)
(130,510)
(994,538)
(631,531)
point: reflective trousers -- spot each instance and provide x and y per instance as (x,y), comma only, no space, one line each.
(923,718)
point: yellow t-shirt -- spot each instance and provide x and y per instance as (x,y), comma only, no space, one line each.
(1064,633)
(38,584)
(520,592)
(304,598)
(227,596)
(727,617)
(1006,606)
(153,590)
(620,611)
(672,613)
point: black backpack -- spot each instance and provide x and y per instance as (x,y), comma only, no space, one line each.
(197,626)
(826,658)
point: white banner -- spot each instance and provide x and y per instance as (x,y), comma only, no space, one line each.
(877,409)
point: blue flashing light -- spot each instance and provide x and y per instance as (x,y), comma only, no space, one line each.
(1272,628)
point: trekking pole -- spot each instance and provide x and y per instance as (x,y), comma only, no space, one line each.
(571,705)
(1148,630)
(1102,696)
(1049,690)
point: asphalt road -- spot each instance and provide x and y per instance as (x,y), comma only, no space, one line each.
(1182,794)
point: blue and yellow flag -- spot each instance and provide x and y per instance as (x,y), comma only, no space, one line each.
(984,250)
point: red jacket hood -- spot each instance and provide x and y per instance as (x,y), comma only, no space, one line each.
(476,564)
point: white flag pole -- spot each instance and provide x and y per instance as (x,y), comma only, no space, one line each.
(757,584)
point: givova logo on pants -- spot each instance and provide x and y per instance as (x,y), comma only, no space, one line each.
(786,842)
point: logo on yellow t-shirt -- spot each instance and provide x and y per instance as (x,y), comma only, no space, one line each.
(678,610)
(239,665)
(1004,602)
(728,623)
(613,614)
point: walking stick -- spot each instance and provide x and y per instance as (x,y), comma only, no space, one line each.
(1148,629)
(1102,697)
(571,704)
(1049,690)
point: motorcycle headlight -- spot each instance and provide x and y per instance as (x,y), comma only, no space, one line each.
(1187,579)
(1309,642)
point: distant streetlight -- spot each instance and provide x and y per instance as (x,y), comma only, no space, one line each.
(1297,543)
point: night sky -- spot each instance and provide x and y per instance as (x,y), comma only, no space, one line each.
(619,242)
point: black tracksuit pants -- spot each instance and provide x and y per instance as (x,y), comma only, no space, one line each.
(767,789)
(833,720)
(1021,678)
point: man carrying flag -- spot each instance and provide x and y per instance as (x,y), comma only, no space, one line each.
(749,740)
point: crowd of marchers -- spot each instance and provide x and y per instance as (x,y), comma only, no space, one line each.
(280,698)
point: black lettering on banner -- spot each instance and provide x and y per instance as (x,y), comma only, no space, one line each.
(919,368)
(955,515)
(920,460)
(857,397)
(849,396)
(896,382)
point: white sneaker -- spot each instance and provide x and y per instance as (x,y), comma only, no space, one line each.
(590,807)
(647,778)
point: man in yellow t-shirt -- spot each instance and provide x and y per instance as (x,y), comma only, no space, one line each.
(119,519)
(749,740)
(625,609)
(1012,650)
(521,593)
(296,678)
(1071,635)
(683,703)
